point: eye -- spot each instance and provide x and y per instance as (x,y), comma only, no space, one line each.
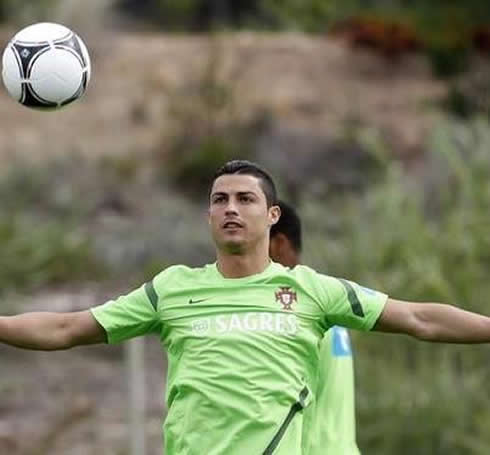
(218,199)
(246,198)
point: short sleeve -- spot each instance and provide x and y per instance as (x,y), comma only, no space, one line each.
(348,304)
(128,316)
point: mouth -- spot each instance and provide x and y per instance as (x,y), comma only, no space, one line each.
(231,225)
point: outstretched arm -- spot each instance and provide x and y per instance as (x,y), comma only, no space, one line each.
(434,322)
(51,331)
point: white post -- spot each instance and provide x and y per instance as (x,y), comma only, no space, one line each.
(135,363)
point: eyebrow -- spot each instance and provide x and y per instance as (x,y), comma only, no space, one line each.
(239,193)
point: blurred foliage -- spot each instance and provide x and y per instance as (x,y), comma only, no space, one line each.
(41,241)
(310,15)
(43,221)
(469,96)
(446,30)
(75,219)
(443,216)
(27,11)
(193,14)
(193,163)
(37,254)
(422,239)
(209,131)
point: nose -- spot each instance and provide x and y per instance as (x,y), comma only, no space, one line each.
(231,208)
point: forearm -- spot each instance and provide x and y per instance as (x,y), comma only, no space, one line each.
(446,323)
(40,330)
(434,322)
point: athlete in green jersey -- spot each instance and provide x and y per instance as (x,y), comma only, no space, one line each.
(242,333)
(332,415)
(242,352)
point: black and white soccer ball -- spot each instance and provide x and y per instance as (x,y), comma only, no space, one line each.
(46,66)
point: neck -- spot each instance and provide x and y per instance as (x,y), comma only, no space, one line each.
(240,266)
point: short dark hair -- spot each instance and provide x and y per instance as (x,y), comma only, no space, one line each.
(244,167)
(289,224)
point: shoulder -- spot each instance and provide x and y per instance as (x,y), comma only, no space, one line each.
(311,277)
(323,286)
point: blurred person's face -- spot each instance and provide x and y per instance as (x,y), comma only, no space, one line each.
(282,250)
(238,214)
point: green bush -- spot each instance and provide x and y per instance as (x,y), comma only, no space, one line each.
(208,132)
(312,15)
(422,240)
(41,236)
(37,254)
(25,11)
(444,29)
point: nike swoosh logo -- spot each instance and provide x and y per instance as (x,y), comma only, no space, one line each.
(191,301)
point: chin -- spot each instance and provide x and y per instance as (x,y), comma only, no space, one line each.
(233,247)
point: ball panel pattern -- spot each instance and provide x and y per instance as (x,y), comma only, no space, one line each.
(12,73)
(27,55)
(46,66)
(31,99)
(47,30)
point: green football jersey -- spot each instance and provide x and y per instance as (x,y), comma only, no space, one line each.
(332,425)
(243,353)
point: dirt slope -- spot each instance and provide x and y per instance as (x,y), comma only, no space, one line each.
(309,84)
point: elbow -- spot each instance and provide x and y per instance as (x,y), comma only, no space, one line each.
(421,329)
(65,335)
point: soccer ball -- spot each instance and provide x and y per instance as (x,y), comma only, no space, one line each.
(46,66)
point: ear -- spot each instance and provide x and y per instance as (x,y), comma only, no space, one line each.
(208,216)
(274,214)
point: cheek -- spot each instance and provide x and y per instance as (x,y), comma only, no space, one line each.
(260,222)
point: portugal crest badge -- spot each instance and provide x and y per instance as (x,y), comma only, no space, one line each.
(286,297)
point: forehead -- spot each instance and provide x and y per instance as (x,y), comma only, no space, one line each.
(236,183)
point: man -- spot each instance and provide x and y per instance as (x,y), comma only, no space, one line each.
(331,426)
(242,333)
